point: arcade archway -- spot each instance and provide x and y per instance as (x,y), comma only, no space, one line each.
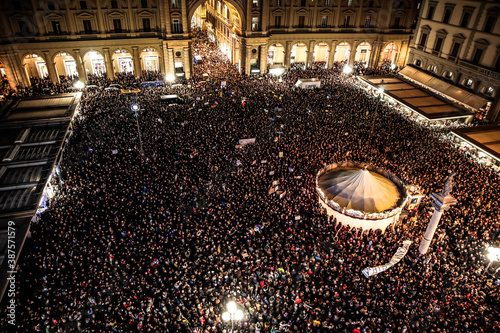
(298,53)
(122,61)
(65,65)
(363,53)
(320,52)
(390,53)
(342,52)
(35,66)
(150,59)
(93,62)
(276,54)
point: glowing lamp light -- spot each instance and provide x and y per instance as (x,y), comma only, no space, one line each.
(347,69)
(135,107)
(393,66)
(226,316)
(238,315)
(79,85)
(380,90)
(493,253)
(170,78)
(231,307)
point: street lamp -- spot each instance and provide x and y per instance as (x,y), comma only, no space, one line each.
(232,314)
(135,108)
(170,78)
(493,255)
(347,69)
(79,85)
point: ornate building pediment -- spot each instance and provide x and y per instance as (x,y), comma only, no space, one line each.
(145,13)
(54,17)
(278,11)
(326,12)
(115,14)
(302,11)
(85,16)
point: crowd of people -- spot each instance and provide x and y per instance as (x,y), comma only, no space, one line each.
(160,240)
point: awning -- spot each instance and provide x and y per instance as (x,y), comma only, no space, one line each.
(445,88)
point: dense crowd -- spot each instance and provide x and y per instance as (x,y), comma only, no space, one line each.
(161,241)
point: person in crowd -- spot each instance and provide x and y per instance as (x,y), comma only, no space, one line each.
(161,241)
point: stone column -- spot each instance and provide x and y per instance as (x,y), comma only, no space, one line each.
(51,68)
(441,202)
(352,55)
(373,50)
(288,53)
(185,23)
(100,20)
(79,65)
(187,62)
(131,17)
(171,62)
(109,63)
(166,65)
(247,59)
(310,53)
(136,61)
(19,69)
(236,53)
(9,72)
(263,59)
(331,55)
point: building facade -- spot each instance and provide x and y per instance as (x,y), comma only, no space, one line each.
(458,41)
(71,37)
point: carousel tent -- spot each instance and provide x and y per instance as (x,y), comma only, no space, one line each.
(361,196)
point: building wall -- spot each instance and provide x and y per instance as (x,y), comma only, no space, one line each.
(244,28)
(468,54)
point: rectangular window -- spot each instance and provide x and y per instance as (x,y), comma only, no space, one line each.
(56,27)
(146,25)
(24,27)
(17,5)
(327,3)
(349,3)
(144,3)
(255,23)
(175,4)
(117,24)
(278,3)
(87,26)
(83,4)
(367,21)
(302,20)
(490,23)
(277,21)
(176,26)
(346,21)
(397,22)
(423,40)
(302,3)
(438,45)
(447,15)
(430,12)
(255,3)
(114,4)
(454,49)
(51,5)
(465,19)
(477,56)
(324,21)
(497,64)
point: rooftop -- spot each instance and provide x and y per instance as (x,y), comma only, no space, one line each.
(427,104)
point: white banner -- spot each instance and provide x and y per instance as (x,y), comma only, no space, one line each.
(246,141)
(400,253)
